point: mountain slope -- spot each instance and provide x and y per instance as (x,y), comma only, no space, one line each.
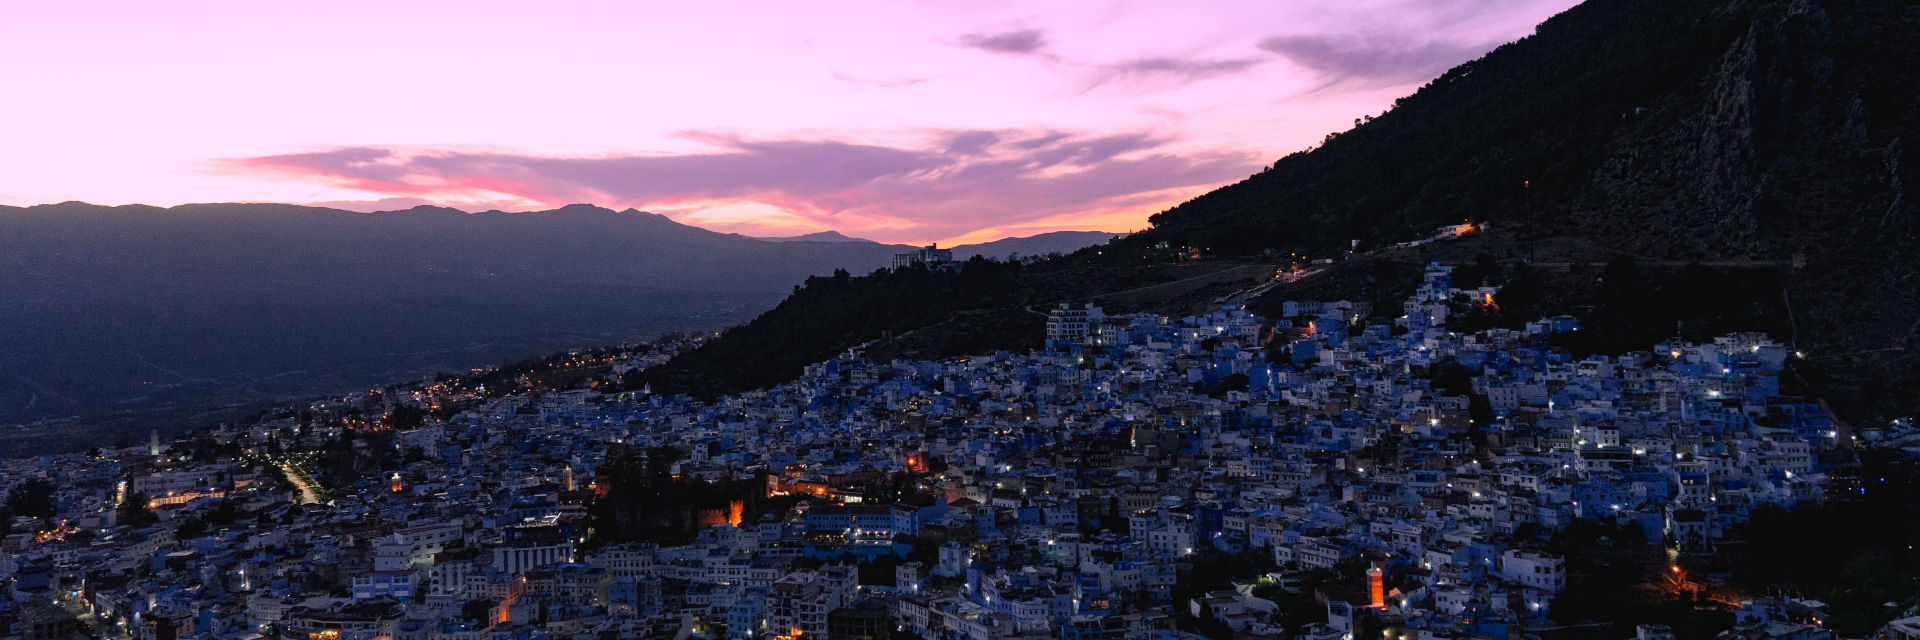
(1691,116)
(1034,245)
(818,236)
(1028,246)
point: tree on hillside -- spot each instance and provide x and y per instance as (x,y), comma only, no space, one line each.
(133,511)
(33,498)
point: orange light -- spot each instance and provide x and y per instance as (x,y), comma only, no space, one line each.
(1376,587)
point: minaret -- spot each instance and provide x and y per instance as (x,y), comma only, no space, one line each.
(395,482)
(153,445)
(1377,586)
(566,477)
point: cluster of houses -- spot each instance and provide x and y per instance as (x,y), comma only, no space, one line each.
(1400,474)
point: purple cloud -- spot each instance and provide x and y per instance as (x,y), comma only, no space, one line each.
(1091,151)
(1165,70)
(1371,60)
(1021,42)
(1155,71)
(970,143)
(956,183)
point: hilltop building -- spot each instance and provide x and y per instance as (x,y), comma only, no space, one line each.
(931,255)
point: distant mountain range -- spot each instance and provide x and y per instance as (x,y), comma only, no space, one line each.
(1037,245)
(110,309)
(822,236)
(1061,242)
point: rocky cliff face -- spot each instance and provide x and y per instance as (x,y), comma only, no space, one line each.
(1745,161)
(1794,147)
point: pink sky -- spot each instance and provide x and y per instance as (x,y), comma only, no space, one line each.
(897,121)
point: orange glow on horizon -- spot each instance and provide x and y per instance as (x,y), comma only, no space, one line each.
(897,122)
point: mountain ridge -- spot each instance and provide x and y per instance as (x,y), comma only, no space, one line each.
(1046,242)
(817,236)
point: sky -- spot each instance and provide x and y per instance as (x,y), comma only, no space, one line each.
(898,121)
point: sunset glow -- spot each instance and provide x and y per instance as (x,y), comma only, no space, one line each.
(893,121)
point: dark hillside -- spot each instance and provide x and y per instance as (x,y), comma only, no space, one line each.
(1524,125)
(828,315)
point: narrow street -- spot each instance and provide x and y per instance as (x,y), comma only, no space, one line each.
(310,491)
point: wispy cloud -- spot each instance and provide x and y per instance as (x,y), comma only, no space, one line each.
(969,143)
(1148,72)
(954,183)
(1168,70)
(1019,42)
(877,83)
(405,202)
(1371,59)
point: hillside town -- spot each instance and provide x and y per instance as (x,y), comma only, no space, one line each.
(1322,474)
